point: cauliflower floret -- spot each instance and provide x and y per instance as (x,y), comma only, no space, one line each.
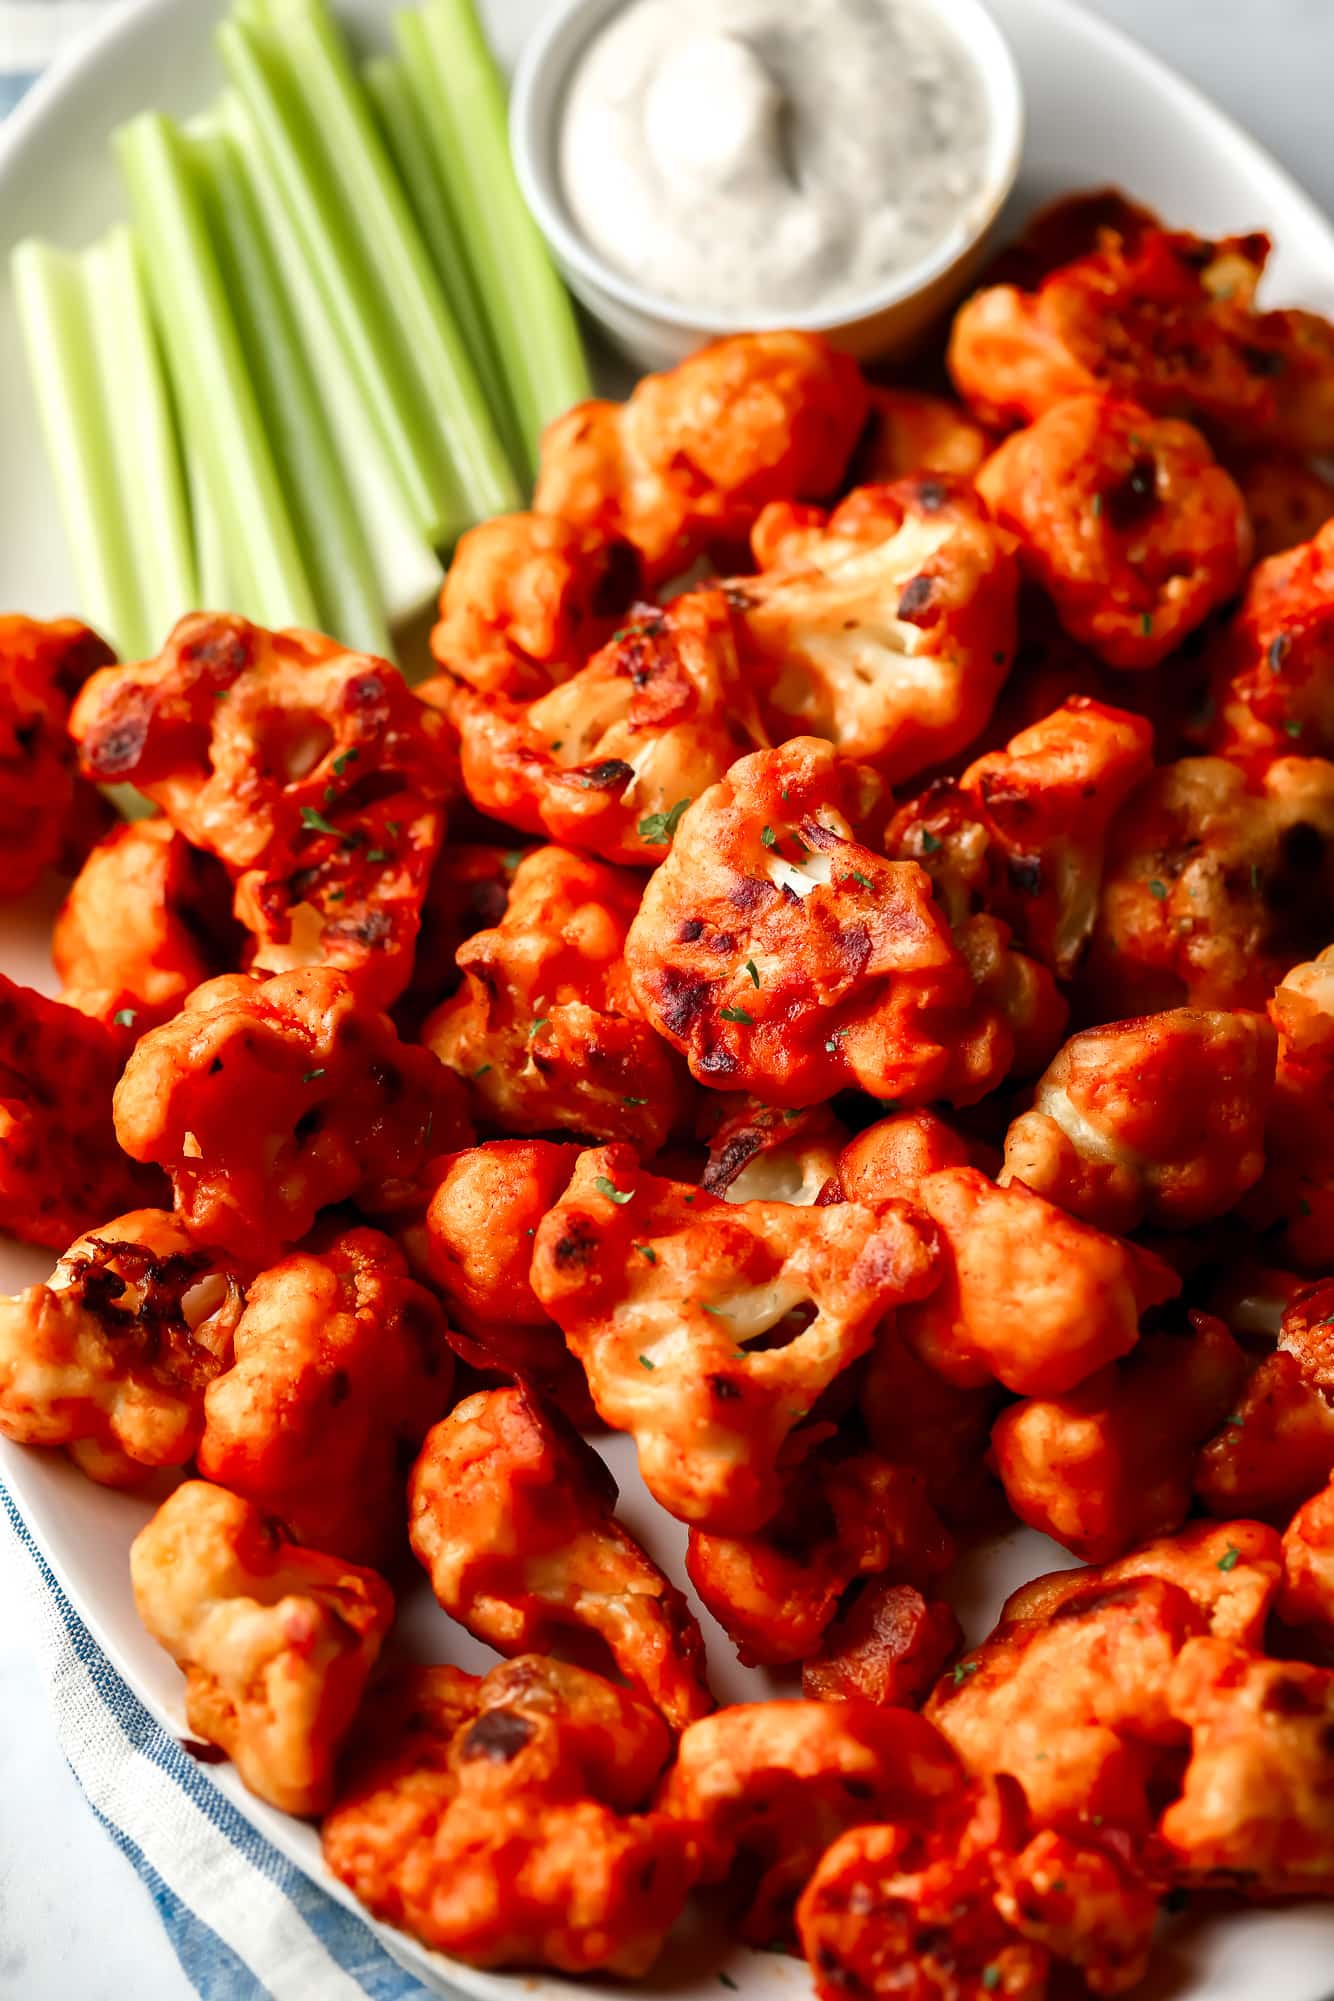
(1028,1295)
(1160,1120)
(1218,880)
(786,959)
(1307,1598)
(887,626)
(275,1642)
(340,1367)
(1289,498)
(1166,320)
(47,814)
(61,1169)
(910,431)
(527,598)
(766,1786)
(759,1154)
(1272,665)
(112,1356)
(894,1156)
(1256,1811)
(959,1903)
(511,1515)
(844,1517)
(609,760)
(1125,520)
(1023,832)
(1297,1190)
(684,466)
(1278,1447)
(1112,1462)
(501,1820)
(889,1647)
(144,923)
(708,1330)
(1074,1704)
(313,773)
(547,1031)
(267,1101)
(475,1246)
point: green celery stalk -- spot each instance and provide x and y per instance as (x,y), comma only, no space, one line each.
(144,435)
(462,98)
(407,569)
(55,315)
(217,588)
(399,118)
(393,271)
(333,546)
(216,398)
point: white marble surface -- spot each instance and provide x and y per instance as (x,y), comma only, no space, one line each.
(74,1923)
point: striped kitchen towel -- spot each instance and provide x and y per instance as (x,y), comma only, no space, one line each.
(242,1920)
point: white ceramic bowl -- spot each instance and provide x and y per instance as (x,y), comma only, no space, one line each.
(655,331)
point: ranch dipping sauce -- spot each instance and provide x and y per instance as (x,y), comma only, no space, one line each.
(752,157)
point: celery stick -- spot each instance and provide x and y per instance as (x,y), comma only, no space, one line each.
(214,393)
(333,546)
(462,98)
(385,261)
(56,318)
(399,119)
(407,569)
(217,588)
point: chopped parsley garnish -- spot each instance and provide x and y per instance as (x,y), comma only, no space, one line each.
(1097,505)
(1230,1558)
(834,1040)
(769,837)
(378,855)
(1293,727)
(634,1101)
(718,1312)
(657,828)
(1146,623)
(1236,1419)
(864,880)
(536,1027)
(481,1070)
(611,1191)
(930,842)
(1278,652)
(315,822)
(1255,875)
(512,858)
(342,761)
(991,1978)
(752,970)
(737,1014)
(962,1669)
(647,1252)
(1158,889)
(645,1363)
(125,1017)
(311,1075)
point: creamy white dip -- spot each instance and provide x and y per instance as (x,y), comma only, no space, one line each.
(760,156)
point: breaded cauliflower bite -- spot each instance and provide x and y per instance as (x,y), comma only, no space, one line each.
(112,1356)
(267,1100)
(887,626)
(1164,319)
(784,958)
(1125,520)
(759,1154)
(845,1516)
(1297,1191)
(609,760)
(1218,880)
(505,1821)
(685,465)
(62,1170)
(910,431)
(340,1367)
(512,1516)
(276,1642)
(1272,665)
(47,814)
(1256,1811)
(1289,498)
(958,1900)
(1277,1448)
(527,598)
(1028,1295)
(889,1646)
(1112,1462)
(1158,1120)
(144,924)
(1306,1600)
(314,774)
(547,1031)
(1022,834)
(709,1330)
(766,1786)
